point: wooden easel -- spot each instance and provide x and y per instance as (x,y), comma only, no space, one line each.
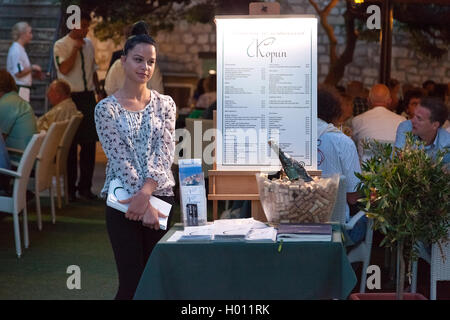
(241,185)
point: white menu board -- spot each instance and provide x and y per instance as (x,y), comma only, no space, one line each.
(266,89)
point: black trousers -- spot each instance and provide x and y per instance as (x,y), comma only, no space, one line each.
(86,137)
(87,165)
(132,244)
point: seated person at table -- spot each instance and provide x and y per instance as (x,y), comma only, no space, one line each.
(17,120)
(379,123)
(336,153)
(206,99)
(63,106)
(412,99)
(426,125)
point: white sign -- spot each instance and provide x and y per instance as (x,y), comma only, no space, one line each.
(266,89)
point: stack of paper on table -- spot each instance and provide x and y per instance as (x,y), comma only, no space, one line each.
(197,233)
(117,192)
(227,230)
(304,232)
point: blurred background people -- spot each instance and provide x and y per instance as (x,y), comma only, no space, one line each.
(64,108)
(17,120)
(410,102)
(17,62)
(379,123)
(75,63)
(207,99)
(428,87)
(355,89)
(394,88)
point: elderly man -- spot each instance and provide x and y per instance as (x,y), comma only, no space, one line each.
(426,125)
(63,106)
(379,123)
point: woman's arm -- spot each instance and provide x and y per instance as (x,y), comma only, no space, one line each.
(160,164)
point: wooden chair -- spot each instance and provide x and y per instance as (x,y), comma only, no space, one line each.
(18,201)
(43,175)
(62,154)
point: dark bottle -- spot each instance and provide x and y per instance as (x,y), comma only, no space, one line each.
(293,169)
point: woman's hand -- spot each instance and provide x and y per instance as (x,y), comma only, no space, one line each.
(139,204)
(151,217)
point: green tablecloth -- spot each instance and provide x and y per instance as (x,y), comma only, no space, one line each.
(246,270)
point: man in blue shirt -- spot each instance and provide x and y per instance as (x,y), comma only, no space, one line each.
(426,125)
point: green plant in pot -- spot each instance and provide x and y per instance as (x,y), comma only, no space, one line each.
(407,194)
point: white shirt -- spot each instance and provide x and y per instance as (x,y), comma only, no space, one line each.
(62,50)
(378,123)
(336,153)
(16,62)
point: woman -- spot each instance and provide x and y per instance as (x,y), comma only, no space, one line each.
(115,76)
(17,62)
(136,127)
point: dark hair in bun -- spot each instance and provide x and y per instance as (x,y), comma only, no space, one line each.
(139,27)
(139,35)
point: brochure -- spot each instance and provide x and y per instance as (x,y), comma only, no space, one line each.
(193,193)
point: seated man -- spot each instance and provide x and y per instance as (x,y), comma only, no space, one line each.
(63,106)
(426,125)
(17,120)
(379,123)
(336,153)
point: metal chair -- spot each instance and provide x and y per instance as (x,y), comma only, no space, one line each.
(45,166)
(362,251)
(439,265)
(62,154)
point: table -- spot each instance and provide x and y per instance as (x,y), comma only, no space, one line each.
(246,270)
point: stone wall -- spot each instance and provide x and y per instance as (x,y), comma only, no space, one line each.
(179,51)
(407,65)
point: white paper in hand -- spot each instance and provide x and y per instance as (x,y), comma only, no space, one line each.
(117,192)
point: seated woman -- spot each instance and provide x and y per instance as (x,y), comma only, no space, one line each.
(206,99)
(17,120)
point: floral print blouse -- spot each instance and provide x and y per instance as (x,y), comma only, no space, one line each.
(138,144)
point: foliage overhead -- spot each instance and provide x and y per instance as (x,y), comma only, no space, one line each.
(116,15)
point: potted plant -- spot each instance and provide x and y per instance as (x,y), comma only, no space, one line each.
(407,194)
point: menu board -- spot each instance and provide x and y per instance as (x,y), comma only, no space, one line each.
(266,89)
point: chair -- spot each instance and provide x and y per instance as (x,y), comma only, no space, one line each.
(18,201)
(45,166)
(439,265)
(62,154)
(362,252)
